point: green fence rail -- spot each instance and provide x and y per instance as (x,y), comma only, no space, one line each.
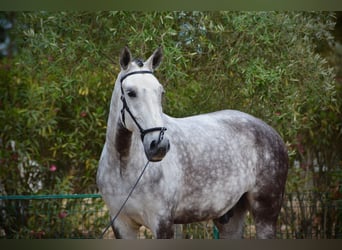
(52,216)
(308,215)
(49,196)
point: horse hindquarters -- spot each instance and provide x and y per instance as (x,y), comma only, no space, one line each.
(264,201)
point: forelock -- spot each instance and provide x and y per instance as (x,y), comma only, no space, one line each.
(139,62)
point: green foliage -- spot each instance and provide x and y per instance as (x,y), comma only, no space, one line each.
(55,93)
(63,217)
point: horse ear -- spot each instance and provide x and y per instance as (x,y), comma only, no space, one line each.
(125,58)
(155,59)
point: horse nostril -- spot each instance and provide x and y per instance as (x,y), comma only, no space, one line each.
(153,144)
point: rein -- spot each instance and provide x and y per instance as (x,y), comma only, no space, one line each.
(125,107)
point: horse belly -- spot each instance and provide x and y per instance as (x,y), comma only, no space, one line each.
(205,210)
(211,188)
(211,200)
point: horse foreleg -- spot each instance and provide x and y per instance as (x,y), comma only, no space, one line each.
(125,229)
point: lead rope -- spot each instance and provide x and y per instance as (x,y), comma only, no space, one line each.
(124,203)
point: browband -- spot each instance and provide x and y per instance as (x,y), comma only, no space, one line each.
(134,73)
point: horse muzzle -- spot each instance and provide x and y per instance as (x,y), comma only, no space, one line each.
(156,150)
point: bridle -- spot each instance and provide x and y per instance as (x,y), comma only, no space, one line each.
(143,132)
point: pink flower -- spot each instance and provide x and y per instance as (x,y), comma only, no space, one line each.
(63,214)
(37,235)
(83,114)
(53,168)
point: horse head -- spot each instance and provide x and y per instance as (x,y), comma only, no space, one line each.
(141,99)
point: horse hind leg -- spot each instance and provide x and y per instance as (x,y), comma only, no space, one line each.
(265,210)
(231,224)
(165,230)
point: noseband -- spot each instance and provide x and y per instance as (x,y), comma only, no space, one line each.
(143,132)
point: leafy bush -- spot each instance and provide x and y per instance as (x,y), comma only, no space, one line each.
(55,92)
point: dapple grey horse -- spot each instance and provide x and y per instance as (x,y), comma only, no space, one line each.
(214,166)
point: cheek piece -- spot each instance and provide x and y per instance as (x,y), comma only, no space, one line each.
(125,107)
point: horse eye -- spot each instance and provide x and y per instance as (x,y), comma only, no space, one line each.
(132,94)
